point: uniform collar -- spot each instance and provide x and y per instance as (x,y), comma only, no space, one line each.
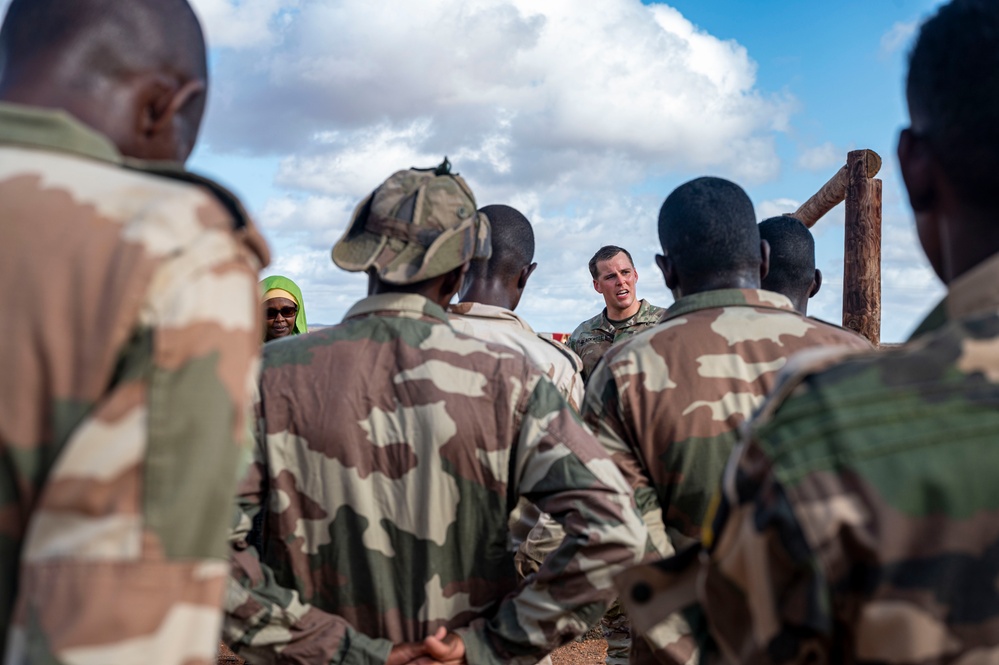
(477,310)
(51,129)
(397,304)
(759,298)
(975,291)
(608,325)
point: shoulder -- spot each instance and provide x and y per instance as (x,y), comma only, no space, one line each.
(564,351)
(162,208)
(840,334)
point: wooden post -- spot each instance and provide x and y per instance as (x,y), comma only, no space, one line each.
(862,251)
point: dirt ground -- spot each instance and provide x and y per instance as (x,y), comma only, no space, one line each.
(587,652)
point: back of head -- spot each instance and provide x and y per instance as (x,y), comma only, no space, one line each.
(606,253)
(953,95)
(792,257)
(417,225)
(708,228)
(79,55)
(512,244)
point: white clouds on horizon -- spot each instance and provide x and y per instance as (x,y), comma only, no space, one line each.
(523,93)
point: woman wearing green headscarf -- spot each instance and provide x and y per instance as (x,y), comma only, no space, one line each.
(284,308)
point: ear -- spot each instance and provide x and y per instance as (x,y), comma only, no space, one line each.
(596,286)
(764,259)
(163,131)
(525,274)
(665,263)
(915,162)
(816,283)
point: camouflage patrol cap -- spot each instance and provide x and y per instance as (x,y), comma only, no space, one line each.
(416,225)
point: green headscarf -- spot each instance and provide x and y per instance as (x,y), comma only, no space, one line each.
(281,282)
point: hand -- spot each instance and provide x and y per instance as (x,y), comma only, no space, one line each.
(405,653)
(443,647)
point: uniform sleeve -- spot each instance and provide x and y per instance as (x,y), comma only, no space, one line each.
(266,622)
(562,469)
(126,555)
(604,412)
(764,594)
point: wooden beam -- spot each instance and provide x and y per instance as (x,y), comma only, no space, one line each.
(834,191)
(862,250)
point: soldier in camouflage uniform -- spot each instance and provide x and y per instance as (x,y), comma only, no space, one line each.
(858,517)
(391,450)
(127,363)
(667,403)
(615,278)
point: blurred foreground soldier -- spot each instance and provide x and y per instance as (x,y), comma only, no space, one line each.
(858,519)
(123,387)
(667,403)
(391,451)
(792,261)
(624,315)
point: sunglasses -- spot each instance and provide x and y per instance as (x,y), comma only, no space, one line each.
(286,312)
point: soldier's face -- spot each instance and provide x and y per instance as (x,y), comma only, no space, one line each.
(279,318)
(615,281)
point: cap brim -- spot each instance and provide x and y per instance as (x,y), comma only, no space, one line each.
(357,248)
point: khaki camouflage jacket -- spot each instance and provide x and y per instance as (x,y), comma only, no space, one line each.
(591,339)
(503,326)
(391,450)
(124,384)
(859,517)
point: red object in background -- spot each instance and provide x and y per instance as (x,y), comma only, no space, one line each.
(558,337)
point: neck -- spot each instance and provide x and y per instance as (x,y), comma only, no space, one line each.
(622,314)
(718,282)
(967,244)
(431,289)
(492,292)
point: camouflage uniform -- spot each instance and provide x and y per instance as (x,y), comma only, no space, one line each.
(133,330)
(667,403)
(387,496)
(502,326)
(858,520)
(591,338)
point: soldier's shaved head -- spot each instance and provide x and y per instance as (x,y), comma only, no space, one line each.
(792,260)
(513,243)
(500,279)
(134,71)
(708,231)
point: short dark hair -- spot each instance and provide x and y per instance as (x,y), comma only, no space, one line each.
(953,87)
(708,226)
(606,253)
(512,240)
(107,37)
(792,256)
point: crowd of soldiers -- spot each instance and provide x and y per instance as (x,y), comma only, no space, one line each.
(726,480)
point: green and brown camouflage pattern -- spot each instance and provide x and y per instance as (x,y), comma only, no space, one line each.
(667,403)
(591,338)
(859,516)
(418,224)
(387,499)
(125,378)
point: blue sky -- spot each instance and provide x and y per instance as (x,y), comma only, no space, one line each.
(584,116)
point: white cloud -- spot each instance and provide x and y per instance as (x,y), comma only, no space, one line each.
(235,24)
(523,92)
(825,157)
(775,207)
(898,36)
